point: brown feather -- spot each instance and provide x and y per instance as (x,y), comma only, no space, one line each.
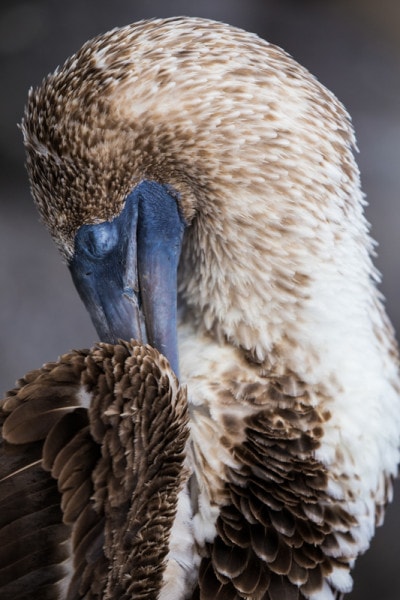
(95,486)
(275,529)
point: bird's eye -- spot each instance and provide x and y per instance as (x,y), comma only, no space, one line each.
(97,240)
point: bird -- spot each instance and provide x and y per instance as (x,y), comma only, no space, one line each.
(202,188)
(80,437)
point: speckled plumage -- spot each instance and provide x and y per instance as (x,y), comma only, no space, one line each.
(92,446)
(289,359)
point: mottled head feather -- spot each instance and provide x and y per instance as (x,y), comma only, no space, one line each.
(197,104)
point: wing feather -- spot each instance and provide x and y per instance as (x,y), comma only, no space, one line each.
(270,541)
(88,495)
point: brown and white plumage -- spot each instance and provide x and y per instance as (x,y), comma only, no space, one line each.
(288,357)
(92,463)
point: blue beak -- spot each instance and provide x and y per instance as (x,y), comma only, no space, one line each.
(125,270)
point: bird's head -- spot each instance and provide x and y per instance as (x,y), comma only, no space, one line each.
(186,140)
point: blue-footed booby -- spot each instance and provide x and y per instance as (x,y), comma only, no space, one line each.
(202,188)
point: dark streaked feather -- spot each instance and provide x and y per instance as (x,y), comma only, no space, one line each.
(95,487)
(270,540)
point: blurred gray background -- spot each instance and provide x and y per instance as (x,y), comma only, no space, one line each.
(352,46)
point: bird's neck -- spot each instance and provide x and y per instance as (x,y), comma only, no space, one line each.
(279,290)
